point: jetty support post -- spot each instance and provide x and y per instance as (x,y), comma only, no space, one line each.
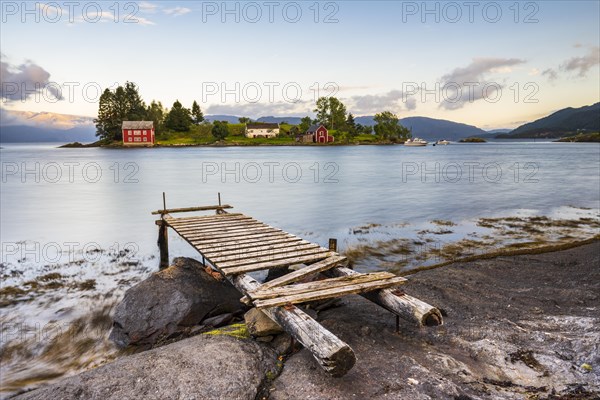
(333,244)
(163,238)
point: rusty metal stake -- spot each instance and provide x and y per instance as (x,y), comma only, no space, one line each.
(397,324)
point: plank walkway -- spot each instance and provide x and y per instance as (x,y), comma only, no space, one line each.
(237,244)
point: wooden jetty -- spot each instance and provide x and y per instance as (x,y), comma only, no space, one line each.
(235,244)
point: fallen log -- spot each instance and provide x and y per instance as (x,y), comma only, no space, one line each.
(405,306)
(334,356)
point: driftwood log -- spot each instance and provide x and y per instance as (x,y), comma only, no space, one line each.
(405,306)
(334,356)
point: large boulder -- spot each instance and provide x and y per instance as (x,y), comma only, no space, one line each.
(179,296)
(201,367)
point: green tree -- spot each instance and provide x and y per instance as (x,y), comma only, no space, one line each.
(122,104)
(179,118)
(156,113)
(220,130)
(351,127)
(388,128)
(197,114)
(305,123)
(331,112)
(244,120)
(106,124)
(135,108)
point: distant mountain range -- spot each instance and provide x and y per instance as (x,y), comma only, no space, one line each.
(27,126)
(33,134)
(567,121)
(433,129)
(24,126)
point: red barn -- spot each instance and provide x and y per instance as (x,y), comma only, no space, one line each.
(320,134)
(138,133)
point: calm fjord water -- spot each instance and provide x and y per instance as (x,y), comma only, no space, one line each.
(105,196)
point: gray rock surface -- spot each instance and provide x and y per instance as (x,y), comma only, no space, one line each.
(201,367)
(179,296)
(259,324)
(516,327)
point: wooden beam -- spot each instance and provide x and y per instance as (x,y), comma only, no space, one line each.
(263,293)
(332,354)
(240,245)
(272,257)
(269,251)
(221,228)
(305,272)
(253,238)
(214,225)
(190,209)
(194,217)
(203,222)
(328,293)
(405,306)
(275,264)
(233,233)
(255,247)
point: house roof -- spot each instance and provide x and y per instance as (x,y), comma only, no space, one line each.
(262,125)
(137,125)
(314,128)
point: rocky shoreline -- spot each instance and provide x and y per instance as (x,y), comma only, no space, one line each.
(515,327)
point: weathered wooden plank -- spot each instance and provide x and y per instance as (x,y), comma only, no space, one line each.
(221,228)
(207,218)
(249,243)
(405,306)
(207,223)
(255,246)
(271,252)
(329,293)
(304,272)
(236,233)
(212,227)
(189,209)
(330,283)
(253,238)
(276,264)
(332,354)
(272,257)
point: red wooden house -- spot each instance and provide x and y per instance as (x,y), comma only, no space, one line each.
(320,134)
(138,133)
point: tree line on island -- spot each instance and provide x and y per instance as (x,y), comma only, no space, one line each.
(125,104)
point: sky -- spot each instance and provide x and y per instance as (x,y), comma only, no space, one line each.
(490,64)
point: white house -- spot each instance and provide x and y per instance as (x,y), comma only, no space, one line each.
(265,130)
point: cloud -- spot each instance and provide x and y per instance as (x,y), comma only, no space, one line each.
(24,81)
(147,7)
(583,64)
(394,100)
(551,74)
(469,84)
(177,11)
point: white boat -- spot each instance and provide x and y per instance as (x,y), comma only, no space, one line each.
(442,142)
(415,142)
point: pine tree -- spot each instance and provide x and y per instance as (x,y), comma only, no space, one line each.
(197,114)
(179,118)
